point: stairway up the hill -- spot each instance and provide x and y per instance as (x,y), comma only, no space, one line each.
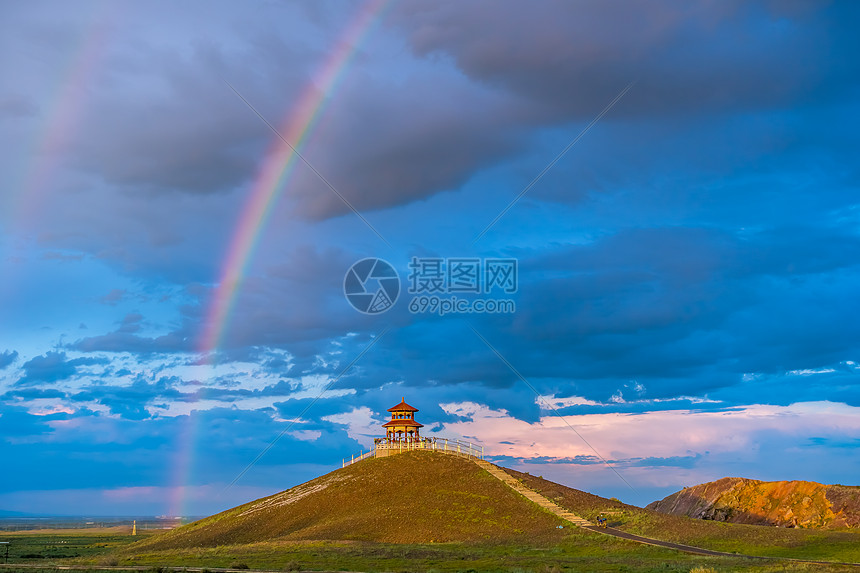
(533,496)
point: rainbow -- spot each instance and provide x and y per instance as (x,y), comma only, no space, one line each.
(62,117)
(296,128)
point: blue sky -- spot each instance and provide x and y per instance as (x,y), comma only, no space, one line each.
(687,271)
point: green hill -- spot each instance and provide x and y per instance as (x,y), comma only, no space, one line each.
(421,510)
(416,497)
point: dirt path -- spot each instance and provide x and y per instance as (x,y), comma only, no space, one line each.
(571,517)
(533,496)
(668,544)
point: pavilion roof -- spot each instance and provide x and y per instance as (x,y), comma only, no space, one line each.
(407,423)
(403,407)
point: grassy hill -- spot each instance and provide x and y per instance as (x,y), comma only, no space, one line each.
(416,497)
(431,511)
(782,503)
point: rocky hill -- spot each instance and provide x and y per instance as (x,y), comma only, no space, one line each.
(783,503)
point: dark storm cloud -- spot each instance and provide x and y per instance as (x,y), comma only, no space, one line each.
(163,120)
(686,310)
(8,357)
(52,367)
(33,393)
(126,337)
(685,303)
(15,422)
(674,461)
(125,342)
(15,106)
(194,135)
(130,401)
(158,115)
(383,152)
(581,58)
(295,304)
(686,57)
(113,297)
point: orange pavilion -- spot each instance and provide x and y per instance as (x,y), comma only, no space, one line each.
(403,434)
(403,426)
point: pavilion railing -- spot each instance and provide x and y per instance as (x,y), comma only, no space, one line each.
(444,445)
(363,455)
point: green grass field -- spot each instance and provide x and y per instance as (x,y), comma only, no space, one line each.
(53,547)
(577,551)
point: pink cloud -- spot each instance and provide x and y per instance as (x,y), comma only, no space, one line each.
(737,434)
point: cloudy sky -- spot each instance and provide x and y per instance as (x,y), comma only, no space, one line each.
(172,273)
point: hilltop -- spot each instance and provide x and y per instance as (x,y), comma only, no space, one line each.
(784,503)
(415,497)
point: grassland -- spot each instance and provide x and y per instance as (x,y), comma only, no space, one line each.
(812,544)
(60,546)
(428,512)
(577,552)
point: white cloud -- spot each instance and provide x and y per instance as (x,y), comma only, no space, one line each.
(360,424)
(658,434)
(758,441)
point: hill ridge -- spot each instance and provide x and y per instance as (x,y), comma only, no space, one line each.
(789,503)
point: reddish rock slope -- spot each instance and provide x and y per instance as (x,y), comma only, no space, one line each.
(783,503)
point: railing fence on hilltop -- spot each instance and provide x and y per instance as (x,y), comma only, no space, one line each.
(444,445)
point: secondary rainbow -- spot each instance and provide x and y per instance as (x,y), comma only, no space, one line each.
(61,117)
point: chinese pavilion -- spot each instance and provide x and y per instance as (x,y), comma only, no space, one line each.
(402,434)
(402,426)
